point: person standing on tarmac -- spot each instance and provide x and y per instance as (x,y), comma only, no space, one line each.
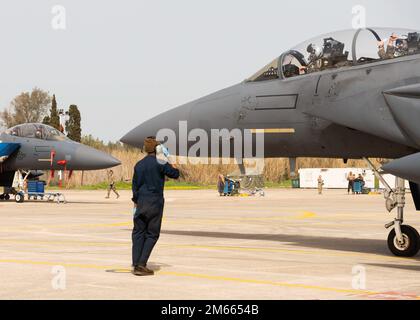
(350,185)
(221,184)
(320,184)
(148,184)
(111,185)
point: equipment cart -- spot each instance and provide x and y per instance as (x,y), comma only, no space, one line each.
(36,191)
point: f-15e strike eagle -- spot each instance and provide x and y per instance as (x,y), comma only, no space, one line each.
(350,94)
(34,146)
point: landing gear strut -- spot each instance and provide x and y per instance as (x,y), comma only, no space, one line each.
(403,240)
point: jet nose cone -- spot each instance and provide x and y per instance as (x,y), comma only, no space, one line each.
(134,138)
(167,120)
(87,158)
(217,110)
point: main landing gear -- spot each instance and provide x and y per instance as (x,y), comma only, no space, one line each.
(403,240)
(4,197)
(19,196)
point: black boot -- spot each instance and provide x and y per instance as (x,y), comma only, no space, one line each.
(142,271)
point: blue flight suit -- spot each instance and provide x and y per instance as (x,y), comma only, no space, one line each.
(148,185)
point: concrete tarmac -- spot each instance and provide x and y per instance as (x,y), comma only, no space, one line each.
(290,244)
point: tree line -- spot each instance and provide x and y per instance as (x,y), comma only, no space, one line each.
(39,106)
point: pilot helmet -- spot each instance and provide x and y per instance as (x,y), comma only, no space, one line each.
(315,51)
(401,46)
(402,42)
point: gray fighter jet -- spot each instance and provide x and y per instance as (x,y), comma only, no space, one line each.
(34,146)
(350,94)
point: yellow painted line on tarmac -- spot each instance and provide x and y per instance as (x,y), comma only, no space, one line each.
(307,215)
(268,282)
(204,276)
(47,263)
(100,225)
(177,188)
(193,221)
(68,226)
(64,242)
(299,215)
(304,215)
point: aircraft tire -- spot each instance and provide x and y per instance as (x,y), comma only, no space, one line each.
(412,242)
(19,197)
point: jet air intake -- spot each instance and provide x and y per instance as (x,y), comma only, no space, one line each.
(404,103)
(407,168)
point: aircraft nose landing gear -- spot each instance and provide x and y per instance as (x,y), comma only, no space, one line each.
(403,240)
(409,246)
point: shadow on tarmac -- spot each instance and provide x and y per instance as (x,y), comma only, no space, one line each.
(373,246)
(154,266)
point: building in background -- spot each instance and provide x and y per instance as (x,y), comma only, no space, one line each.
(334,178)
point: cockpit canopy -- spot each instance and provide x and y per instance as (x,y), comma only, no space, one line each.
(37,131)
(341,49)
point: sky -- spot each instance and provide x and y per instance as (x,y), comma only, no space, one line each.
(123,62)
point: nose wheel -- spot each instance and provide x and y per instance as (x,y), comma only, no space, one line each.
(19,197)
(403,240)
(408,245)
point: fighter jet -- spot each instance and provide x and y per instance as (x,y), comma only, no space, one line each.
(32,146)
(350,94)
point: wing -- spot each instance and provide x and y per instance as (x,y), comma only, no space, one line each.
(6,150)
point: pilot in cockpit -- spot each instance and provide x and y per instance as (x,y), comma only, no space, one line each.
(389,53)
(401,47)
(314,59)
(331,55)
(397,47)
(38,133)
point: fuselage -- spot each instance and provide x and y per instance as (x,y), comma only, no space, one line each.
(337,112)
(39,154)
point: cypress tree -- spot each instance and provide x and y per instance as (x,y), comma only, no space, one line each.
(46,120)
(54,116)
(73,127)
